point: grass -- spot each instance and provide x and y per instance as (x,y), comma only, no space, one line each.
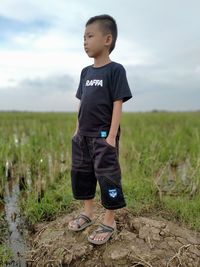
(5,252)
(184,209)
(162,143)
(56,199)
(5,255)
(159,156)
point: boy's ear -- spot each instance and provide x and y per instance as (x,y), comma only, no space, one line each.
(108,40)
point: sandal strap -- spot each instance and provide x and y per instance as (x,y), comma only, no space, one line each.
(104,229)
(84,217)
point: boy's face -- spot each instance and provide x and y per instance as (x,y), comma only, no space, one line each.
(95,42)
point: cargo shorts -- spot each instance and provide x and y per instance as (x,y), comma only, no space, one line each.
(93,159)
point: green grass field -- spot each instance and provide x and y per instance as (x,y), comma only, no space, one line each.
(159,156)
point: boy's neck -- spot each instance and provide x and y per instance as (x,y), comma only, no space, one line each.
(99,62)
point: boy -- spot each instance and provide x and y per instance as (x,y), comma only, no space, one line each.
(102,90)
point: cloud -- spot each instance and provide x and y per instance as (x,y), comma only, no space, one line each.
(49,94)
(149,93)
(48,85)
(158,43)
(18,65)
(11,28)
(54,101)
(13,25)
(163,87)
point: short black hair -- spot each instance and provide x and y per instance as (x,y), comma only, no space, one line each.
(108,25)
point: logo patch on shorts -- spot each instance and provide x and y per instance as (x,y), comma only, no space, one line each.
(112,193)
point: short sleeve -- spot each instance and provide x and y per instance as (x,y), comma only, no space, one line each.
(79,90)
(120,86)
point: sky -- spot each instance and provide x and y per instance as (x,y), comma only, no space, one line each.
(41,52)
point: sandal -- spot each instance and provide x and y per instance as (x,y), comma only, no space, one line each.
(102,229)
(80,226)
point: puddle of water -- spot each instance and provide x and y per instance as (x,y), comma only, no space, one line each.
(16,240)
(176,178)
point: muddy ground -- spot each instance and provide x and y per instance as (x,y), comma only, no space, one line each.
(140,241)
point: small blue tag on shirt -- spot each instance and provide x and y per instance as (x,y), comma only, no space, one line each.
(103,134)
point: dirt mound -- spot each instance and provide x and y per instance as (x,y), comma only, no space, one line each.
(141,242)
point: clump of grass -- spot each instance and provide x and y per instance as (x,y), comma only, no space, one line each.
(149,143)
(5,252)
(5,255)
(184,209)
(57,198)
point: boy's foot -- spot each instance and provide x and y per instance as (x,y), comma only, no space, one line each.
(102,234)
(80,223)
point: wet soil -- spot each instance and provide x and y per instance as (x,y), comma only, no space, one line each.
(140,241)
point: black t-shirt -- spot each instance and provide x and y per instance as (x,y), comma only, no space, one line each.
(98,89)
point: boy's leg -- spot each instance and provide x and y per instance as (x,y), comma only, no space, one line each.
(109,220)
(83,179)
(88,211)
(89,207)
(107,170)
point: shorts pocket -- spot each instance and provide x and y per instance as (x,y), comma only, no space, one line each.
(77,152)
(106,143)
(106,158)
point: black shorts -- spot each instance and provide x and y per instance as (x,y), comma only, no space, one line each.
(94,159)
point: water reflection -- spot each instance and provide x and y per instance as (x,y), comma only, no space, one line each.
(16,240)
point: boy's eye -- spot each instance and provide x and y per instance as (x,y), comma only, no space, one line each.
(88,36)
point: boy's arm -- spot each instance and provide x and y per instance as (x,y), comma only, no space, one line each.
(77,125)
(116,115)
